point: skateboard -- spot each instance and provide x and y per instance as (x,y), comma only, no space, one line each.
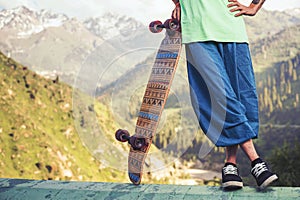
(154,99)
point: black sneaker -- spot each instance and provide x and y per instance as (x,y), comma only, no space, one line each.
(230,177)
(262,173)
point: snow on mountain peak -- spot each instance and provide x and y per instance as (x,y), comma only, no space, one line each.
(24,21)
(294,12)
(51,19)
(111,24)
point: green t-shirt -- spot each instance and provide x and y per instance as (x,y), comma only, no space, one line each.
(210,20)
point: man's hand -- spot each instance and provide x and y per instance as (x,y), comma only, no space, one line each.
(176,12)
(250,10)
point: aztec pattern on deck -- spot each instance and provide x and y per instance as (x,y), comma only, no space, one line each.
(154,99)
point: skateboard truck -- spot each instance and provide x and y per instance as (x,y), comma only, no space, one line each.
(137,143)
(169,24)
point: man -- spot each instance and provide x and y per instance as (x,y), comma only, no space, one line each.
(222,82)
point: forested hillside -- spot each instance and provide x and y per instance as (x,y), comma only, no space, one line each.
(279,90)
(38,139)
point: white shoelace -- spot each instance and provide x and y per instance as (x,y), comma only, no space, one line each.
(230,169)
(259,168)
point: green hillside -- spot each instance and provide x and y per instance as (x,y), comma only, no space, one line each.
(38,139)
(278,89)
(267,23)
(276,48)
(49,130)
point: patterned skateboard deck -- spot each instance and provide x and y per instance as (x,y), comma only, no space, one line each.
(154,100)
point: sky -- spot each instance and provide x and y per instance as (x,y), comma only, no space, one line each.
(142,10)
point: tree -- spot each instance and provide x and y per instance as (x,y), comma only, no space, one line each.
(286,163)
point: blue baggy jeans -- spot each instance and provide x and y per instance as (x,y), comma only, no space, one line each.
(223,91)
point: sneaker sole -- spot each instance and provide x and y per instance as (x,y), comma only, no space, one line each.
(268,181)
(232,185)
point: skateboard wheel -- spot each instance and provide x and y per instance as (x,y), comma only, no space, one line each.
(156,26)
(172,24)
(137,143)
(122,135)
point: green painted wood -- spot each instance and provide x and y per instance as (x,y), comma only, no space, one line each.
(16,189)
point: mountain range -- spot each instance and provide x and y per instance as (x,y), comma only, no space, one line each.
(94,52)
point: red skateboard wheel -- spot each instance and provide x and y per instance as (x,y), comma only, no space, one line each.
(156,26)
(137,143)
(172,24)
(122,135)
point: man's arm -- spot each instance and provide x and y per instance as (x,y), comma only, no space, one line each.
(250,10)
(175,1)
